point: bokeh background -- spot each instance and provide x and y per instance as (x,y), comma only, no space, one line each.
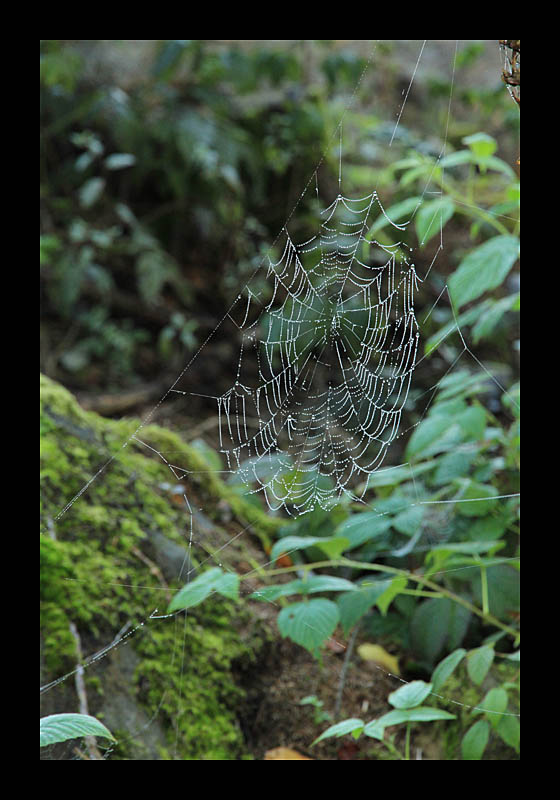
(168,168)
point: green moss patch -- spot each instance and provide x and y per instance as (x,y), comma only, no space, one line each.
(108,560)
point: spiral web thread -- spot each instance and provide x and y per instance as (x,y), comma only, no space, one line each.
(334,362)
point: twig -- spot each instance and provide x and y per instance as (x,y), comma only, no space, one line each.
(91,743)
(344,670)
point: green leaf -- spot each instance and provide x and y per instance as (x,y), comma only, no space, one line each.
(120,161)
(478,496)
(492,316)
(418,714)
(392,476)
(375,730)
(481,144)
(340,729)
(333,546)
(309,585)
(514,656)
(325,583)
(508,729)
(212,581)
(410,695)
(361,528)
(479,662)
(91,191)
(437,624)
(483,269)
(395,588)
(60,727)
(353,605)
(409,521)
(475,741)
(428,436)
(503,589)
(466,318)
(473,422)
(458,158)
(446,668)
(431,218)
(309,624)
(453,465)
(470,548)
(496,701)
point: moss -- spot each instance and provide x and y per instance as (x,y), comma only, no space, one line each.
(97,572)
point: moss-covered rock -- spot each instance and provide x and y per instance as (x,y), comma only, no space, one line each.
(113,540)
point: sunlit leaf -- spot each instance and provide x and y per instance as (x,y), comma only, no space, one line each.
(377,654)
(60,727)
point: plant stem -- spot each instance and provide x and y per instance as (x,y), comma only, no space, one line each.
(345,665)
(484,589)
(420,579)
(407,743)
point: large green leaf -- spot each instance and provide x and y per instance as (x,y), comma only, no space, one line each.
(309,585)
(503,589)
(333,546)
(446,667)
(496,702)
(437,624)
(483,269)
(410,695)
(435,434)
(481,144)
(394,588)
(353,605)
(475,741)
(212,581)
(479,662)
(431,218)
(508,729)
(340,729)
(418,714)
(360,528)
(309,624)
(60,727)
(492,315)
(476,498)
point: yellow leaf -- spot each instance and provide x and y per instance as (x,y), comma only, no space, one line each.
(284,754)
(376,653)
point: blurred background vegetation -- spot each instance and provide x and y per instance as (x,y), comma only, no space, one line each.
(169,167)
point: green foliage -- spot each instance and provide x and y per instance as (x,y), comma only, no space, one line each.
(151,181)
(212,581)
(60,727)
(494,711)
(407,702)
(309,623)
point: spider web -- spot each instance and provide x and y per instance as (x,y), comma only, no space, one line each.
(335,350)
(324,372)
